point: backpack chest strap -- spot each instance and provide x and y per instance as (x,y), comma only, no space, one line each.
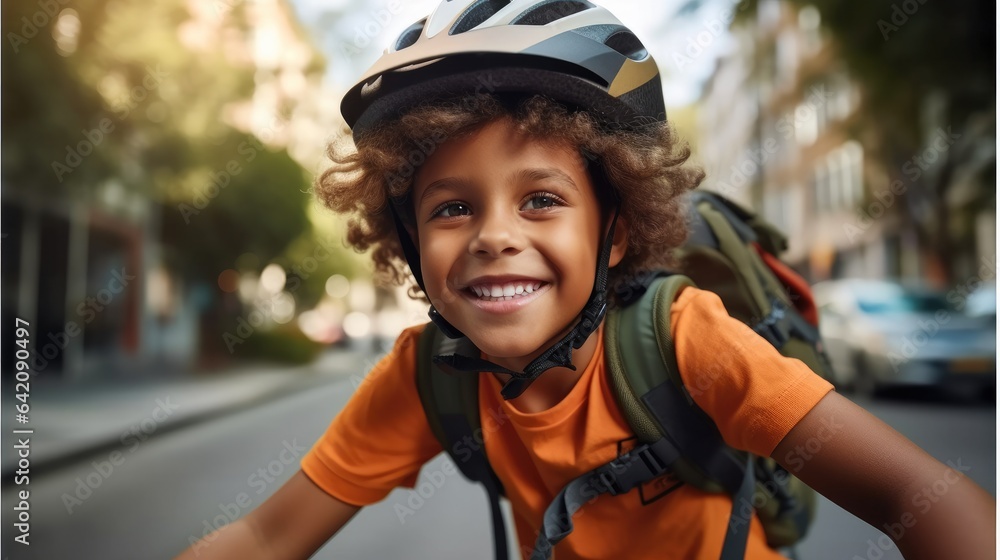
(620,476)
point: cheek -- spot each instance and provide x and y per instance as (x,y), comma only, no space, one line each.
(572,247)
(437,253)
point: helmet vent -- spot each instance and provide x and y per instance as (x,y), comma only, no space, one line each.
(549,11)
(410,35)
(477,13)
(626,43)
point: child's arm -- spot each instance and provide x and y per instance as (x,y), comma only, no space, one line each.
(293,523)
(931,510)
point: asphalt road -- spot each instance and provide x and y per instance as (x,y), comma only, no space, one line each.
(175,486)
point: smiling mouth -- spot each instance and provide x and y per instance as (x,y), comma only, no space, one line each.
(506,291)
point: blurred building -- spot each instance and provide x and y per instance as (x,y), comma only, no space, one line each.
(87,271)
(779,131)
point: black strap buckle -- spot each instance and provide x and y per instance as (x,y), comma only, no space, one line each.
(591,319)
(774,328)
(621,475)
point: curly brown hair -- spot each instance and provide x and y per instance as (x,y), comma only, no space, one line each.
(645,166)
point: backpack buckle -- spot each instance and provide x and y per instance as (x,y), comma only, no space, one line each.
(774,327)
(624,473)
(589,322)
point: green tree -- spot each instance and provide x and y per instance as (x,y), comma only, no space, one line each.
(166,99)
(168,87)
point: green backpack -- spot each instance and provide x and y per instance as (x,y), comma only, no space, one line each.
(731,252)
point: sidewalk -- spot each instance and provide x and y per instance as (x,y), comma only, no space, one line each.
(71,420)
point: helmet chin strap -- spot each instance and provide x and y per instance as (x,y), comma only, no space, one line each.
(559,354)
(413,260)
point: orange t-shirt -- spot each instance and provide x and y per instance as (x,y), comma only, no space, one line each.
(755,396)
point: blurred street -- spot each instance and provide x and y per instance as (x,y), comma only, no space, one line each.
(175,485)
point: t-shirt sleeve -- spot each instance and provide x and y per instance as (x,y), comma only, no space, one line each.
(753,393)
(381,438)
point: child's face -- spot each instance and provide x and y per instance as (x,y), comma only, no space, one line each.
(503,214)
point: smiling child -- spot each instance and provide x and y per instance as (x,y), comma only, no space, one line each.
(510,156)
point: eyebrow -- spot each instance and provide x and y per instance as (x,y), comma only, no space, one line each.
(543,173)
(440,184)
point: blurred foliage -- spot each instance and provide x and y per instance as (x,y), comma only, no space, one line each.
(258,209)
(168,101)
(310,261)
(171,82)
(45,105)
(685,121)
(946,48)
(284,344)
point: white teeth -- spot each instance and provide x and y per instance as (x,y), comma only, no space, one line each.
(502,292)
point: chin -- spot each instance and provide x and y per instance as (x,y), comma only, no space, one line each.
(517,347)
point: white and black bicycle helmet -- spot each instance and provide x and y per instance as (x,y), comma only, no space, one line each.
(571,51)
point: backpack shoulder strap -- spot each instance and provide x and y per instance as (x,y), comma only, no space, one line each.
(446,398)
(631,342)
(672,436)
(650,391)
(451,404)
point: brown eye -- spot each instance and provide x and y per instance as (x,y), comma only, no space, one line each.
(540,201)
(451,210)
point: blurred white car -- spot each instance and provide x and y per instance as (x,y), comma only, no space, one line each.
(880,334)
(982,302)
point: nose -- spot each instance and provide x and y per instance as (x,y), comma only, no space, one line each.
(498,234)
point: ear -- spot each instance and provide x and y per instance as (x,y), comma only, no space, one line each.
(619,244)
